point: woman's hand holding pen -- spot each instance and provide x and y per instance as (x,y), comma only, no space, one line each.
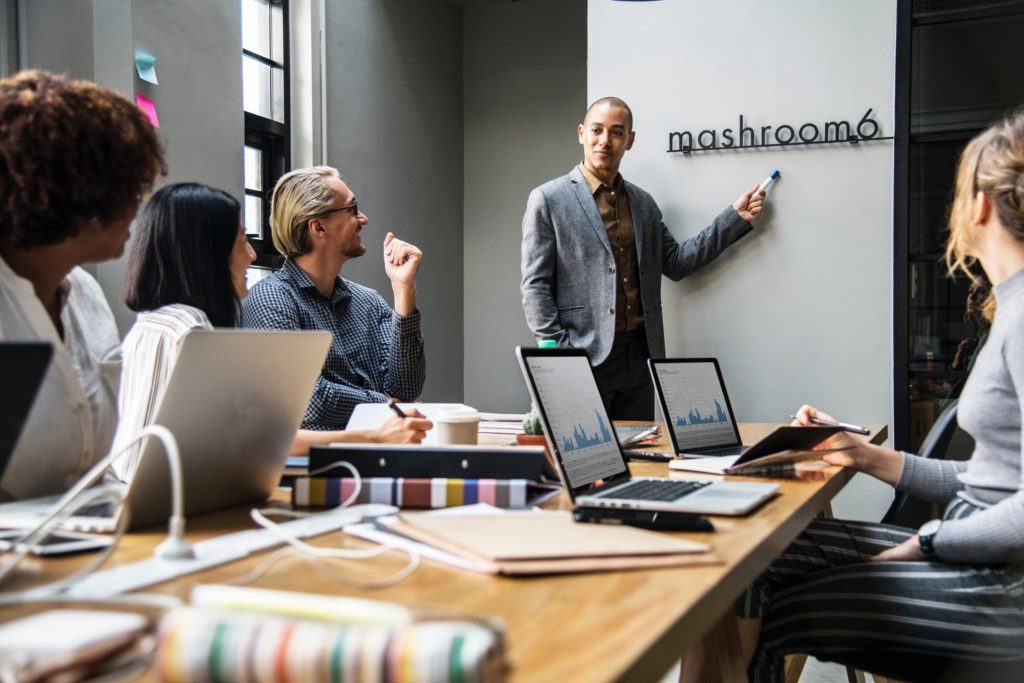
(851,457)
(881,463)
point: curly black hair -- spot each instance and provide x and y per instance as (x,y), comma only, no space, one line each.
(70,152)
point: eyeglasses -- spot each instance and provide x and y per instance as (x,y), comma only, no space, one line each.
(353,207)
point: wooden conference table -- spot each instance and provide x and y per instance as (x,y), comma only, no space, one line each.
(615,626)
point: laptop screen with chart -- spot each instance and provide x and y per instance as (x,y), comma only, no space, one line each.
(582,441)
(581,430)
(695,404)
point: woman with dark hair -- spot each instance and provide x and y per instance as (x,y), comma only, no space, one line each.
(187,271)
(75,159)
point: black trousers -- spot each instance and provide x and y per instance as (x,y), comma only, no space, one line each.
(914,621)
(624,380)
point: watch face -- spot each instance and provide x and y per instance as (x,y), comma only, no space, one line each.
(930,528)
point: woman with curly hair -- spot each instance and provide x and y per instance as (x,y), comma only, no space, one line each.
(75,160)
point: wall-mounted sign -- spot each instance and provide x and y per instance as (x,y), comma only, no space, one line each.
(746,136)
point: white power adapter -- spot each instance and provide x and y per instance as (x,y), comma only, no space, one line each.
(33,646)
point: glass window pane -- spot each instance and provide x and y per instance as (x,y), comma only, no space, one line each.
(277,33)
(253,168)
(277,94)
(256,26)
(262,89)
(253,216)
(254,275)
(255,87)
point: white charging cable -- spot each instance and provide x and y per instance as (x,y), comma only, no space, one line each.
(315,554)
(174,547)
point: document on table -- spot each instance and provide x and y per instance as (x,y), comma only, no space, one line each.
(534,542)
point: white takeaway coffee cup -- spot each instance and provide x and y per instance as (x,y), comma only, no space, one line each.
(457,425)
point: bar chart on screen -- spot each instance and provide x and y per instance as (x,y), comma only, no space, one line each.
(579,426)
(698,410)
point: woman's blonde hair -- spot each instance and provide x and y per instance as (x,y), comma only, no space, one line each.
(299,196)
(993,163)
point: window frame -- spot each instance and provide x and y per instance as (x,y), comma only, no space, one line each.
(273,140)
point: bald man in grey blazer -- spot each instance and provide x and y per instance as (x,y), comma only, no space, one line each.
(594,250)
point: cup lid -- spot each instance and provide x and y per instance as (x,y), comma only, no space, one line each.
(459,414)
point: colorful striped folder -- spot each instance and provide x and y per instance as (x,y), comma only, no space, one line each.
(419,493)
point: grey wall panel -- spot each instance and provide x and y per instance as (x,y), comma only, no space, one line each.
(198,50)
(57,36)
(526,88)
(199,97)
(394,129)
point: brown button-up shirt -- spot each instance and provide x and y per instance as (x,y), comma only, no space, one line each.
(613,207)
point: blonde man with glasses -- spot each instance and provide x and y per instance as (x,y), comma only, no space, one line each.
(377,352)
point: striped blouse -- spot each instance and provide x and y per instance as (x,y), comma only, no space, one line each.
(149,351)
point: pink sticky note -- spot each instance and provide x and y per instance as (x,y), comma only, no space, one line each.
(148,107)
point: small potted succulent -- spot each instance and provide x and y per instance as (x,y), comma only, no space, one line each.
(533,433)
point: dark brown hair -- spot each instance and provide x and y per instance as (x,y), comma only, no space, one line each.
(182,250)
(70,152)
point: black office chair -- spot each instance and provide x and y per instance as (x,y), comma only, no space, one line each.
(910,512)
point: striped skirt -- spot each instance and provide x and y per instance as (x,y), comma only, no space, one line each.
(914,621)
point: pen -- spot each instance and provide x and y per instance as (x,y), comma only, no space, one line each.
(846,427)
(396,410)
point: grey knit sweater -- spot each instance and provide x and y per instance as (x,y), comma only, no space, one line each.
(990,411)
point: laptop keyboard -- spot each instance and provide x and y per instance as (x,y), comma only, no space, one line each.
(725,450)
(656,489)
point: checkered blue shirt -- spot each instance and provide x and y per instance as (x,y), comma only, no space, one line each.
(375,353)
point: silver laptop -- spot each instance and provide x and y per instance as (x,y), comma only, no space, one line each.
(588,454)
(234,402)
(701,425)
(696,407)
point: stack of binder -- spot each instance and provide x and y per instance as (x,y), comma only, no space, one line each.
(425,476)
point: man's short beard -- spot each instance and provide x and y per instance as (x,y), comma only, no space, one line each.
(356,252)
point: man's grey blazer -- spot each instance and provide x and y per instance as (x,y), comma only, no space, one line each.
(569,273)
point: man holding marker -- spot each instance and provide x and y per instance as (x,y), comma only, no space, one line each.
(594,249)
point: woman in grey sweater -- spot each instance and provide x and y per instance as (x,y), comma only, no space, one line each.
(945,602)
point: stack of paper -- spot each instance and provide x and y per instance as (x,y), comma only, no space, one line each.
(501,423)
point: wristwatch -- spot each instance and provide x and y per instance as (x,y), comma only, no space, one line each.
(925,535)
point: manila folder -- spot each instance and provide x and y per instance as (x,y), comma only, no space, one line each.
(550,542)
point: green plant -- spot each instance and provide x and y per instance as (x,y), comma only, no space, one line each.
(531,422)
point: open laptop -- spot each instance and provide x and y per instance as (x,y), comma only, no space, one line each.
(23,366)
(696,407)
(590,460)
(234,402)
(701,424)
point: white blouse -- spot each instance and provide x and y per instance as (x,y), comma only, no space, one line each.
(150,351)
(74,415)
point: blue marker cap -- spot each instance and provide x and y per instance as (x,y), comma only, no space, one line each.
(769,180)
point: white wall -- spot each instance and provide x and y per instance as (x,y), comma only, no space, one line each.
(525,92)
(801,309)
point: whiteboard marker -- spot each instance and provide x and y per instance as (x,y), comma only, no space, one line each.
(772,177)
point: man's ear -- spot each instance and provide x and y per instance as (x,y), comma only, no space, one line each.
(315,227)
(630,139)
(579,133)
